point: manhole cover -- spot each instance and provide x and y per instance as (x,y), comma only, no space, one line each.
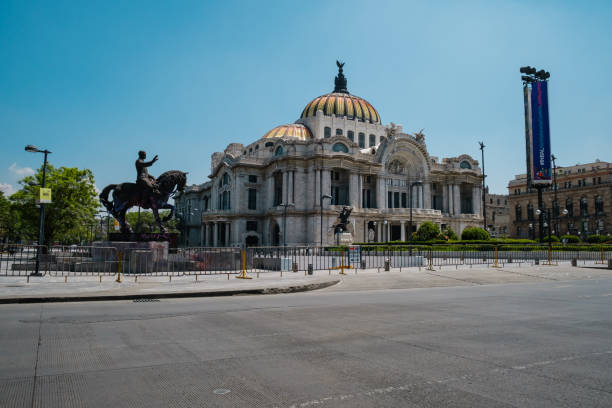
(221,391)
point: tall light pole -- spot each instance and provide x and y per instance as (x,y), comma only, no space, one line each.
(536,110)
(41,217)
(415,183)
(324,196)
(484,201)
(556,204)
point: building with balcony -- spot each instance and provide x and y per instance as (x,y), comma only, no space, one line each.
(281,188)
(584,190)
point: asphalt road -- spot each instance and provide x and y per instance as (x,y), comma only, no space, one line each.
(546,344)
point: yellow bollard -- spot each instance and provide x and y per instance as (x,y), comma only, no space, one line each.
(243,274)
(119,256)
(495,260)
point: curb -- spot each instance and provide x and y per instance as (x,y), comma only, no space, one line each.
(217,293)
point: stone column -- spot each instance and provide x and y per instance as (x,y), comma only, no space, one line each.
(378,232)
(360,191)
(380,193)
(403,230)
(444,198)
(354,190)
(326,184)
(206,234)
(317,187)
(284,196)
(451,201)
(457,198)
(215,234)
(227,233)
(290,187)
(388,231)
(476,199)
(269,191)
(427,195)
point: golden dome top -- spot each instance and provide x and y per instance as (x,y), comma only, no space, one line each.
(342,104)
(293,130)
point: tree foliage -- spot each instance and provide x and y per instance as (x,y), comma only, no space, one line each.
(427,231)
(448,234)
(571,239)
(147,221)
(70,215)
(474,233)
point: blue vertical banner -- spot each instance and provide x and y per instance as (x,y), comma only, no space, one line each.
(540,134)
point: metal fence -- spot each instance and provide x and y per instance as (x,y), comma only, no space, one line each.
(21,260)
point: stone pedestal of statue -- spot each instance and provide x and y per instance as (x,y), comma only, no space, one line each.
(344,238)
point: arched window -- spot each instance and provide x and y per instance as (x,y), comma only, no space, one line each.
(584,206)
(569,206)
(338,132)
(361,140)
(351,135)
(269,144)
(518,212)
(372,140)
(465,165)
(279,151)
(339,147)
(327,132)
(599,205)
(530,216)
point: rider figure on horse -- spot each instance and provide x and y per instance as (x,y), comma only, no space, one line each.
(143,179)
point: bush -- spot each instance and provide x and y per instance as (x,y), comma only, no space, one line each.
(449,234)
(570,239)
(597,239)
(474,233)
(553,238)
(427,231)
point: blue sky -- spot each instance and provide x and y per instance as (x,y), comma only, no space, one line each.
(96,81)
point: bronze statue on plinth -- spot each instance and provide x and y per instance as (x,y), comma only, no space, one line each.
(147,192)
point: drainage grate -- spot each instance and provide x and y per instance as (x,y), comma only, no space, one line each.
(146,300)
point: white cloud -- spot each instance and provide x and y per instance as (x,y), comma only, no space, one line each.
(7,189)
(20,171)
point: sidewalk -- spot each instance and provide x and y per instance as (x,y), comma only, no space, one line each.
(89,288)
(20,289)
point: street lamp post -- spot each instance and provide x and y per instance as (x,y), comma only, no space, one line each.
(484,204)
(415,183)
(556,203)
(41,217)
(324,196)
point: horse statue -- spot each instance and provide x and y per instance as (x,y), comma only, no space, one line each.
(342,223)
(127,195)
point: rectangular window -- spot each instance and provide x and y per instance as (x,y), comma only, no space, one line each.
(252,199)
(396,199)
(327,132)
(351,135)
(338,132)
(389,199)
(362,140)
(252,178)
(404,201)
(372,140)
(251,226)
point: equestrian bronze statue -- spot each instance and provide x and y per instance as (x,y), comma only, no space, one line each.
(342,223)
(147,192)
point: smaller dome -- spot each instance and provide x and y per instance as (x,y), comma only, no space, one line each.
(294,130)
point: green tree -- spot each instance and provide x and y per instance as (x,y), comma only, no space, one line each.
(74,204)
(449,234)
(147,221)
(5,214)
(474,233)
(427,231)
